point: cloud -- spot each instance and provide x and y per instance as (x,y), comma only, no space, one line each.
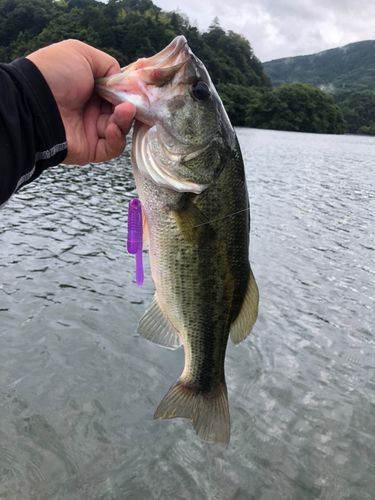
(286,27)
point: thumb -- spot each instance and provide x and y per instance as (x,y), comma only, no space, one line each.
(101,63)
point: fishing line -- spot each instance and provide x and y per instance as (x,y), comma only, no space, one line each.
(215,220)
(208,222)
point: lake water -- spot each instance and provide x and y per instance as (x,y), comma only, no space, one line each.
(78,388)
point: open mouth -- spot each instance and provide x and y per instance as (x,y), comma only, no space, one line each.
(175,53)
(131,84)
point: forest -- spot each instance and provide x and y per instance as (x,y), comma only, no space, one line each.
(346,73)
(343,69)
(129,29)
(358,109)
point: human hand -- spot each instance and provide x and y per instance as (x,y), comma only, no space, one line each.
(95,131)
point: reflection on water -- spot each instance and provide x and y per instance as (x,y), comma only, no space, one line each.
(78,388)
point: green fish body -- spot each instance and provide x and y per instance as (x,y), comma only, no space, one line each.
(190,179)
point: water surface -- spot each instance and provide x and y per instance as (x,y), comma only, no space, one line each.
(78,388)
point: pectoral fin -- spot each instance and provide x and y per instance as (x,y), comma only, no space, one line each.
(243,324)
(193,224)
(155,327)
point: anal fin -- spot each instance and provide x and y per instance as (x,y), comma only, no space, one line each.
(243,324)
(155,327)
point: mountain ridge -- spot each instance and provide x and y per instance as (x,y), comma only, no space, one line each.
(347,68)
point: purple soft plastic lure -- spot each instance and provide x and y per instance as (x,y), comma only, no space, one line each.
(135,237)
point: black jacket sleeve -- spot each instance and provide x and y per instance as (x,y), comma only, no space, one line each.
(32,134)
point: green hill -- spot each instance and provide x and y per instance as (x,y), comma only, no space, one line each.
(129,29)
(348,68)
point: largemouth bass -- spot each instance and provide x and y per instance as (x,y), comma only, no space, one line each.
(190,179)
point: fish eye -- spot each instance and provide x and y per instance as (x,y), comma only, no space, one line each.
(200,91)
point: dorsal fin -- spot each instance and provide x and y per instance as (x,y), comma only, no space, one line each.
(155,327)
(243,324)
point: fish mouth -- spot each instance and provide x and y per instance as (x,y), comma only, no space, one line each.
(134,83)
(172,56)
(143,83)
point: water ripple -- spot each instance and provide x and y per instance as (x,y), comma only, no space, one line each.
(78,387)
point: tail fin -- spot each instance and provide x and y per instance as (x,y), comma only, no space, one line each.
(208,412)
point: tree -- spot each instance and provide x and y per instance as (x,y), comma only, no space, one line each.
(296,107)
(23,15)
(129,29)
(237,99)
(359,112)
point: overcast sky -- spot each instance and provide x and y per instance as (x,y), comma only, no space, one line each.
(283,28)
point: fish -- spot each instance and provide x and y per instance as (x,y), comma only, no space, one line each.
(190,179)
